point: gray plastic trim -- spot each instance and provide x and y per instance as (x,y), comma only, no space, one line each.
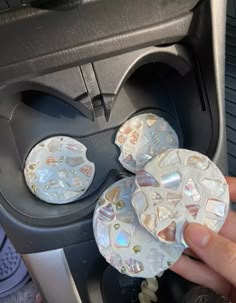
(52,275)
(166,32)
(218,12)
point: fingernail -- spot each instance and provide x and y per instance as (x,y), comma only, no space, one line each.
(197,235)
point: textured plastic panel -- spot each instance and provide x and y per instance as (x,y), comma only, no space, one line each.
(111,76)
(230,85)
(67,85)
(47,39)
(13,273)
(3,5)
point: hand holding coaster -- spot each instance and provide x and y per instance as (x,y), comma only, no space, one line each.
(139,221)
(178,187)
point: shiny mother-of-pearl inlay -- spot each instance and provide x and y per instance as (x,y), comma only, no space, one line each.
(124,243)
(142,137)
(57,170)
(176,187)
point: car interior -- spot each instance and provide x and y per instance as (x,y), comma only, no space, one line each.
(81,68)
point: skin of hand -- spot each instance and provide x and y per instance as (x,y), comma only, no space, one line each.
(214,263)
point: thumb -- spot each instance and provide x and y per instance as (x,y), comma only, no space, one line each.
(218,252)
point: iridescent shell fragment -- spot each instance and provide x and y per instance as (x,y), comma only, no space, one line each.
(52,160)
(145,179)
(211,223)
(140,201)
(197,162)
(192,189)
(87,170)
(163,213)
(171,180)
(193,210)
(149,221)
(216,207)
(103,235)
(151,120)
(142,137)
(74,161)
(124,243)
(168,159)
(214,186)
(58,171)
(115,261)
(174,197)
(134,266)
(122,239)
(106,213)
(168,234)
(113,194)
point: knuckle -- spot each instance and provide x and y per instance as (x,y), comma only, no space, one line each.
(232,261)
(230,250)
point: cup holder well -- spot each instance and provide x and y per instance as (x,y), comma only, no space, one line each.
(153,87)
(97,281)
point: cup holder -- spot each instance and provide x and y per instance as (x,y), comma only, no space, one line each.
(99,282)
(35,115)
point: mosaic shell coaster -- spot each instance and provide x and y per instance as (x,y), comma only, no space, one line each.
(57,170)
(142,137)
(176,187)
(124,243)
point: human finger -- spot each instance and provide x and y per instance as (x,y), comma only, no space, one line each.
(199,273)
(229,227)
(216,251)
(232,187)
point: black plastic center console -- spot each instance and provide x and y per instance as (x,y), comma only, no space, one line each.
(162,80)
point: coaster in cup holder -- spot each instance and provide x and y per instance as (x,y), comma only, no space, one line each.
(57,170)
(141,138)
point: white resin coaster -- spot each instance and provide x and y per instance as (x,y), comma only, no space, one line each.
(124,243)
(141,138)
(176,187)
(57,170)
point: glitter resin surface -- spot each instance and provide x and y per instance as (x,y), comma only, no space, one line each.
(57,170)
(124,243)
(141,138)
(176,187)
